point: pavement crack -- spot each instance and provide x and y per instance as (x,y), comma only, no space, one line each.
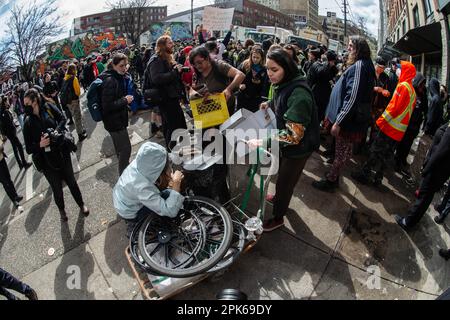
(101,271)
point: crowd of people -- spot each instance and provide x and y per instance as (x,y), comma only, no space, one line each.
(362,104)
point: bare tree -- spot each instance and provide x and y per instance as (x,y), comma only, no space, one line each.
(128,15)
(29,31)
(362,25)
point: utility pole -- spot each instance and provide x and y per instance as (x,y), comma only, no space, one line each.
(192,18)
(345,19)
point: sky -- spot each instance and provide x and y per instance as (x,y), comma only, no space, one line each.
(366,8)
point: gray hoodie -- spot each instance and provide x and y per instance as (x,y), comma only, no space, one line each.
(136,186)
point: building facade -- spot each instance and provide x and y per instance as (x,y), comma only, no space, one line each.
(273,4)
(419,30)
(334,28)
(251,14)
(112,21)
(301,10)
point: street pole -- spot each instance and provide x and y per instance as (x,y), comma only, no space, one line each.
(345,19)
(192,18)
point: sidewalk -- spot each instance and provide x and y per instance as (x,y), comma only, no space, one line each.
(323,252)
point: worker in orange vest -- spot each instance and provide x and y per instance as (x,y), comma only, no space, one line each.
(391,125)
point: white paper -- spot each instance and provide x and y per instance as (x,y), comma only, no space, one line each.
(217,19)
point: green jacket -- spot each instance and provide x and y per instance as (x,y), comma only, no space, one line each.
(300,109)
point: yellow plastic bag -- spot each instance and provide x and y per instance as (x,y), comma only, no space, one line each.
(210,112)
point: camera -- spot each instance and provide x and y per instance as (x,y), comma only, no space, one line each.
(56,138)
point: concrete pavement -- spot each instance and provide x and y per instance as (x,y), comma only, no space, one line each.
(334,246)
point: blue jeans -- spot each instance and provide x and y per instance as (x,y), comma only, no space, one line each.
(8,281)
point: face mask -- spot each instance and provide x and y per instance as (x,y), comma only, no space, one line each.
(28,110)
(398,72)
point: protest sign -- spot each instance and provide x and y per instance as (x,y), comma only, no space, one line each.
(217,19)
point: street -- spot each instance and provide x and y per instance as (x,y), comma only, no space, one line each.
(344,245)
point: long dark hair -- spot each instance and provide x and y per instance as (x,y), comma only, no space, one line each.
(284,60)
(361,50)
(200,52)
(117,58)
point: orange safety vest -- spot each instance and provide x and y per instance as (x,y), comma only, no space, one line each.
(395,127)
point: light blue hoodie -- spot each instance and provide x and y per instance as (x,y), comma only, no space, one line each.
(136,186)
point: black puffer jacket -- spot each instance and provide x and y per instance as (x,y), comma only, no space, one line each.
(164,78)
(435,116)
(34,127)
(114,103)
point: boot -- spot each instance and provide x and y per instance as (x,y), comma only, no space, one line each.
(326,185)
(360,177)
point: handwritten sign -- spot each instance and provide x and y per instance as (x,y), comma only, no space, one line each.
(217,19)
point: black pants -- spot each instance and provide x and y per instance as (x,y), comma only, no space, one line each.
(5,180)
(381,151)
(122,145)
(18,150)
(431,183)
(288,175)
(172,118)
(8,281)
(404,146)
(56,176)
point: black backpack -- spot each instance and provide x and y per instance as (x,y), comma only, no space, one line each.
(67,93)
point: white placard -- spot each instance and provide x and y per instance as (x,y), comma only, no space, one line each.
(217,19)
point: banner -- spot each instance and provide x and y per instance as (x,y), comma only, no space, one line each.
(217,19)
(176,30)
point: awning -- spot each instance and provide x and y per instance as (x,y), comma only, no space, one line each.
(388,52)
(421,40)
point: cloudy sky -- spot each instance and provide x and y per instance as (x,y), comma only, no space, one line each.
(366,8)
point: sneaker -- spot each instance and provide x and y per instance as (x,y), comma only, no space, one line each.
(439,219)
(84,211)
(401,222)
(32,295)
(27,165)
(360,177)
(273,224)
(326,185)
(82,137)
(444,254)
(63,215)
(18,198)
(270,197)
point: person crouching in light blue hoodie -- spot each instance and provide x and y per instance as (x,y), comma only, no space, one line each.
(148,185)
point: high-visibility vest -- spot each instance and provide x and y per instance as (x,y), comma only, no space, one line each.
(395,127)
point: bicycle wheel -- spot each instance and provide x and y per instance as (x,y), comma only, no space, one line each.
(237,246)
(190,244)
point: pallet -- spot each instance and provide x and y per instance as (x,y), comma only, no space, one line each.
(146,285)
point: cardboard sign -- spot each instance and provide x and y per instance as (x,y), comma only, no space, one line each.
(217,19)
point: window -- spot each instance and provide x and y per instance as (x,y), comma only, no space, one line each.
(416,17)
(404,27)
(427,6)
(398,34)
(428,11)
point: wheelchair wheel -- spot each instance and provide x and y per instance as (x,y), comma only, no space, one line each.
(237,246)
(190,244)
